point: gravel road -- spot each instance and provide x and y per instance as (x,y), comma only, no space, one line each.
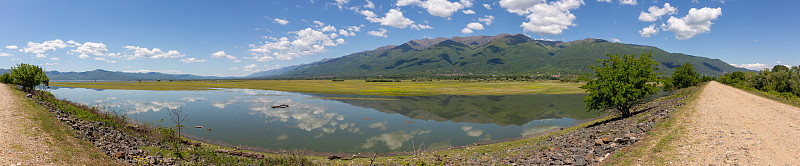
(18,143)
(730,127)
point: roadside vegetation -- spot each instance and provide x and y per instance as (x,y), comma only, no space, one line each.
(780,83)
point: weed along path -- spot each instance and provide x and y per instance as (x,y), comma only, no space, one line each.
(18,144)
(730,126)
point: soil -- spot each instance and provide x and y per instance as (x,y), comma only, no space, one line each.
(731,127)
(21,142)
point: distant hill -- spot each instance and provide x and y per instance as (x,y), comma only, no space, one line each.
(483,55)
(116,75)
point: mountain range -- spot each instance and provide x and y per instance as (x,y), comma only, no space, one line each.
(488,55)
(512,54)
(117,75)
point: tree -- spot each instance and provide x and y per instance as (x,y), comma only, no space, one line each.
(685,76)
(177,117)
(620,82)
(28,76)
(5,78)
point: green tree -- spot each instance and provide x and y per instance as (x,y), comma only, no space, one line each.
(28,76)
(685,76)
(620,82)
(5,78)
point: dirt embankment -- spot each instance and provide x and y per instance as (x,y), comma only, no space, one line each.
(19,142)
(730,126)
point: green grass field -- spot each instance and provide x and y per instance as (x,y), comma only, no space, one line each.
(450,87)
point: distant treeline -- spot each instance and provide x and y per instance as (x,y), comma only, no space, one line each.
(780,81)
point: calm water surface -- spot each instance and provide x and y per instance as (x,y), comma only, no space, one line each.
(342,123)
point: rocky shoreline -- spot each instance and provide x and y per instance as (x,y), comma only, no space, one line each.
(118,145)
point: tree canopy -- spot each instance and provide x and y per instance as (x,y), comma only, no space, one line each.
(685,76)
(28,76)
(620,82)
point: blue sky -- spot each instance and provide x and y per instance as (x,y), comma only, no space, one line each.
(234,38)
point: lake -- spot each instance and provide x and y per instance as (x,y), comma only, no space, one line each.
(342,123)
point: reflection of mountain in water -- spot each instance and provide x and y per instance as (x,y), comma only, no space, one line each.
(502,110)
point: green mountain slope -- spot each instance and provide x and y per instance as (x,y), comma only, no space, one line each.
(501,54)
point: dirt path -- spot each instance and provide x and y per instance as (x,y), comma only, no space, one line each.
(730,126)
(18,143)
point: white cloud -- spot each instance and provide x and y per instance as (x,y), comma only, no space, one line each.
(354,28)
(305,42)
(222,54)
(520,7)
(406,2)
(615,40)
(468,11)
(319,23)
(329,28)
(622,2)
(444,8)
(85,49)
(4,54)
(754,66)
(380,33)
(104,59)
(393,18)
(648,31)
(39,48)
(251,67)
(340,3)
(547,18)
(696,22)
(369,5)
(466,31)
(55,59)
(654,13)
(486,19)
(281,21)
(627,2)
(487,6)
(190,60)
(345,33)
(155,53)
(420,27)
(49,64)
(370,15)
(475,26)
(13,47)
(441,8)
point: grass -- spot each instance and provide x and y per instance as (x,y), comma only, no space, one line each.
(785,98)
(657,146)
(361,87)
(68,149)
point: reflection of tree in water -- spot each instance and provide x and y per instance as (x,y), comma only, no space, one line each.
(502,110)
